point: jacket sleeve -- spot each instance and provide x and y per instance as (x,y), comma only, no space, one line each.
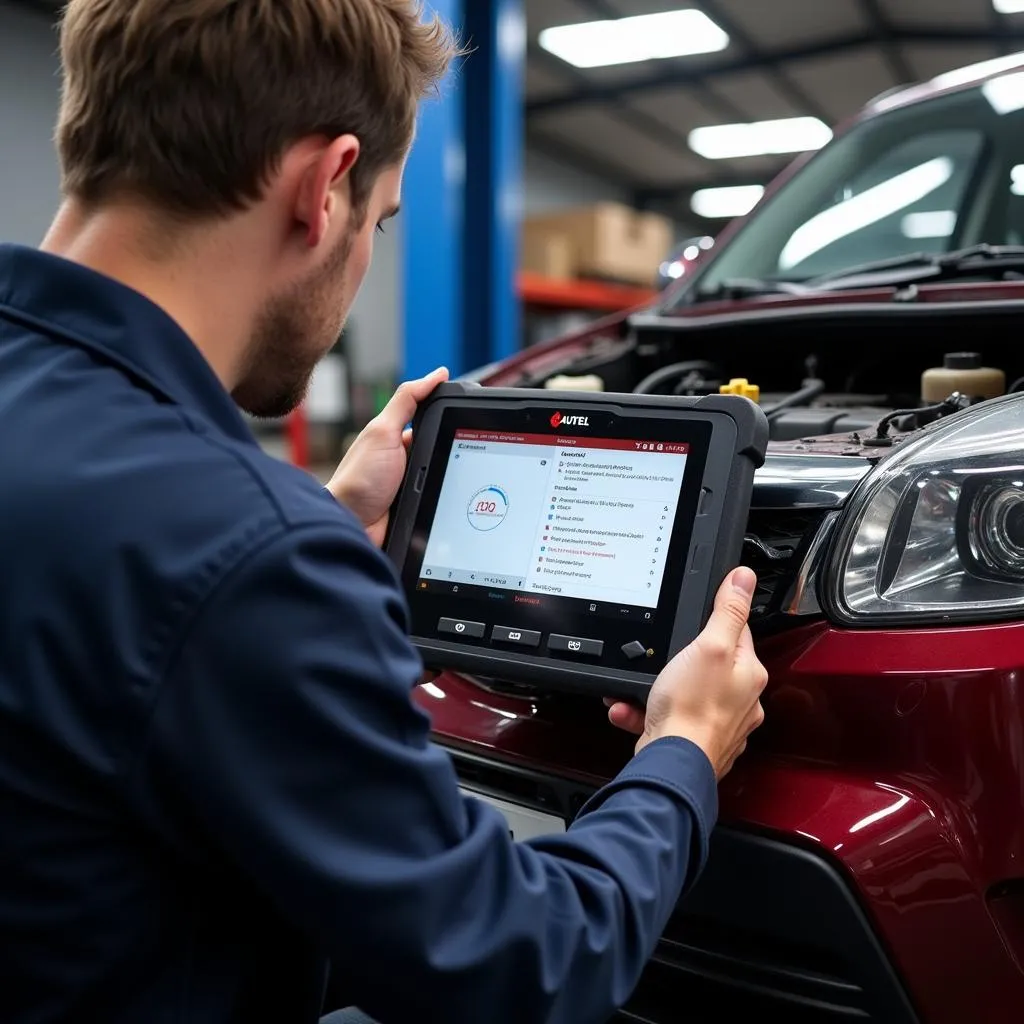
(285,723)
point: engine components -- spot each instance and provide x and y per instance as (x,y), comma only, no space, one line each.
(567,382)
(962,372)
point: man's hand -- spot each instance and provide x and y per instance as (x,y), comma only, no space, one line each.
(369,476)
(709,693)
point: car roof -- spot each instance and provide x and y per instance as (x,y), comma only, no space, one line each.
(948,82)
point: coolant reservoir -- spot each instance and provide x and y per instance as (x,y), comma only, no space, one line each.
(963,372)
(564,382)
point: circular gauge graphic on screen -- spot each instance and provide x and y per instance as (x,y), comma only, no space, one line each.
(487,509)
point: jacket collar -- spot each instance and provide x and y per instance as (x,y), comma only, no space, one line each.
(82,307)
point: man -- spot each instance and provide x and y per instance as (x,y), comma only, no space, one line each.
(214,787)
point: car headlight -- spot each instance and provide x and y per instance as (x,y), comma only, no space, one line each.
(936,532)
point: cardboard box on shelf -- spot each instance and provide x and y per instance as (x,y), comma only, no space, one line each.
(606,240)
(547,252)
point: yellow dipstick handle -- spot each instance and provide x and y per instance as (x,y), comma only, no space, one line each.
(741,386)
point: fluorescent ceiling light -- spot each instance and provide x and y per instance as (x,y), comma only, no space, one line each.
(974,72)
(734,201)
(1005,94)
(929,224)
(871,206)
(1008,6)
(790,135)
(1017,180)
(597,44)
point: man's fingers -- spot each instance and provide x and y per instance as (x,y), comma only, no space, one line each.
(407,439)
(732,609)
(402,407)
(626,717)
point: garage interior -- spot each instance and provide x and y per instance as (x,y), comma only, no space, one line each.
(670,200)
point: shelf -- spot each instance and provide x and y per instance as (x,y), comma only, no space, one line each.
(536,290)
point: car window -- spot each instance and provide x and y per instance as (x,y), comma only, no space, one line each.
(930,177)
(908,199)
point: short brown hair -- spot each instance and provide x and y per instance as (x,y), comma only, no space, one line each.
(190,104)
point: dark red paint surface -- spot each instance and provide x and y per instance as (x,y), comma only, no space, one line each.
(906,772)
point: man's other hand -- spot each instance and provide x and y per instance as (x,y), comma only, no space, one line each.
(709,693)
(369,476)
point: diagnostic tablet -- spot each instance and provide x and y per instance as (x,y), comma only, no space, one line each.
(570,542)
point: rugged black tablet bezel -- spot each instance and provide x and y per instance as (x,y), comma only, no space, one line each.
(727,437)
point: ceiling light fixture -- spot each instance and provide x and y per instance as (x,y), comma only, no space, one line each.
(760,138)
(596,44)
(731,201)
(1008,6)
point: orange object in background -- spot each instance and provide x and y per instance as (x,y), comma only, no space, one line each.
(297,429)
(535,290)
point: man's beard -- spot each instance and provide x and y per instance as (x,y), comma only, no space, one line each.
(293,333)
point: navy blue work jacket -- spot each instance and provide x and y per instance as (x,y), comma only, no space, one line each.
(214,787)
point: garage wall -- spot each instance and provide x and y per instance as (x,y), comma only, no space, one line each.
(29,88)
(376,320)
(551,185)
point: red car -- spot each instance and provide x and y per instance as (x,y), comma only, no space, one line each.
(869,862)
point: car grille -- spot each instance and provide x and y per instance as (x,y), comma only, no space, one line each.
(777,540)
(740,973)
(770,926)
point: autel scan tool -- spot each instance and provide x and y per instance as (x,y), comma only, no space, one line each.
(570,542)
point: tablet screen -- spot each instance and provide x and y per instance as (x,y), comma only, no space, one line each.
(568,516)
(560,536)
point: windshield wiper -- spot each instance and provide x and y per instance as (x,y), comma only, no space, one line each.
(747,288)
(923,266)
(912,268)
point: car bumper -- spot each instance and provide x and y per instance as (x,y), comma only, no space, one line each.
(868,861)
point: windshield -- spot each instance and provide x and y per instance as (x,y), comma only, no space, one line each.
(929,178)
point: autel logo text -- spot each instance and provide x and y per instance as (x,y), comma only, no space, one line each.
(558,420)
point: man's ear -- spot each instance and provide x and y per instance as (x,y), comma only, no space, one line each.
(318,199)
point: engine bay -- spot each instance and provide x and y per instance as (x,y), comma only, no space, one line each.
(823,374)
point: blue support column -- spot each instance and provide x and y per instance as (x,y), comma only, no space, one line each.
(463,199)
(433,225)
(496,29)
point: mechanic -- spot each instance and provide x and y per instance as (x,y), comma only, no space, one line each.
(217,799)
